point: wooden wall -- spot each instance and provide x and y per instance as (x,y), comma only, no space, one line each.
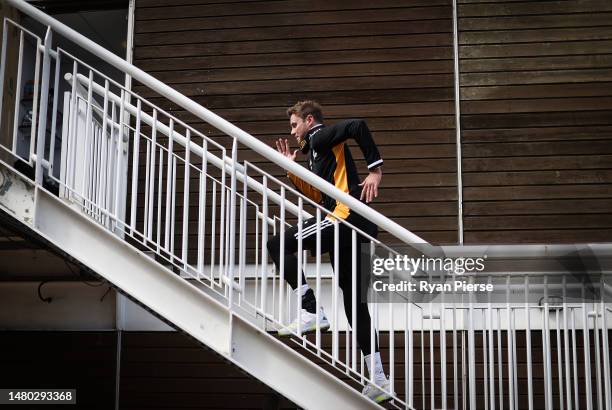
(536,104)
(391,64)
(170,370)
(535,85)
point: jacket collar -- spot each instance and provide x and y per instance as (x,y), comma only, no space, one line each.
(313,131)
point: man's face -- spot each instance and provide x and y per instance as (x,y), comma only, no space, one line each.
(299,126)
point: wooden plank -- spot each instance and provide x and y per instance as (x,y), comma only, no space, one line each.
(356,42)
(493,223)
(542,163)
(600,176)
(269,7)
(526,36)
(537,105)
(537,77)
(532,7)
(299,32)
(423,19)
(546,119)
(536,91)
(305,87)
(327,97)
(512,149)
(539,236)
(305,71)
(548,20)
(335,113)
(285,59)
(536,134)
(562,206)
(537,192)
(536,63)
(535,49)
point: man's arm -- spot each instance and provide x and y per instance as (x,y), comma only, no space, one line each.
(340,132)
(304,187)
(359,131)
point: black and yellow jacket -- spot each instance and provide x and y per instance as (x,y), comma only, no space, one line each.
(330,158)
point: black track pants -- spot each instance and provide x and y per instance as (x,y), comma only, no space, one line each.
(309,242)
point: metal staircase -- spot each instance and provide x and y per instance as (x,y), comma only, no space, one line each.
(178,221)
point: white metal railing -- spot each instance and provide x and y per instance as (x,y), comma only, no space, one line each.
(164,186)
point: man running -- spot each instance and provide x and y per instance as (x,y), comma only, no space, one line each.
(330,158)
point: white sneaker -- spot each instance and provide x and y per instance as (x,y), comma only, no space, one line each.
(309,324)
(375,393)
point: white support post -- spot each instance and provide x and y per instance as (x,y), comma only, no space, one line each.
(44,101)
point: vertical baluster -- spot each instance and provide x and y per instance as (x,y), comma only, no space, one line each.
(232,223)
(597,359)
(568,390)
(243,233)
(408,359)
(559,366)
(472,353)
(72,134)
(242,246)
(318,282)
(186,180)
(587,354)
(491,344)
(281,268)
(147,204)
(547,349)
(173,210)
(222,212)
(432,361)
(135,168)
(300,254)
(18,91)
(213,228)
(54,110)
(110,192)
(35,101)
(169,177)
(528,336)
(3,64)
(605,345)
(485,358)
(423,396)
(152,181)
(118,207)
(455,358)
(160,178)
(264,250)
(511,359)
(443,349)
(202,209)
(86,149)
(103,166)
(354,304)
(65,144)
(500,373)
(575,358)
(335,296)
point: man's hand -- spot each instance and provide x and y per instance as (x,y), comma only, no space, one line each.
(370,185)
(282,146)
